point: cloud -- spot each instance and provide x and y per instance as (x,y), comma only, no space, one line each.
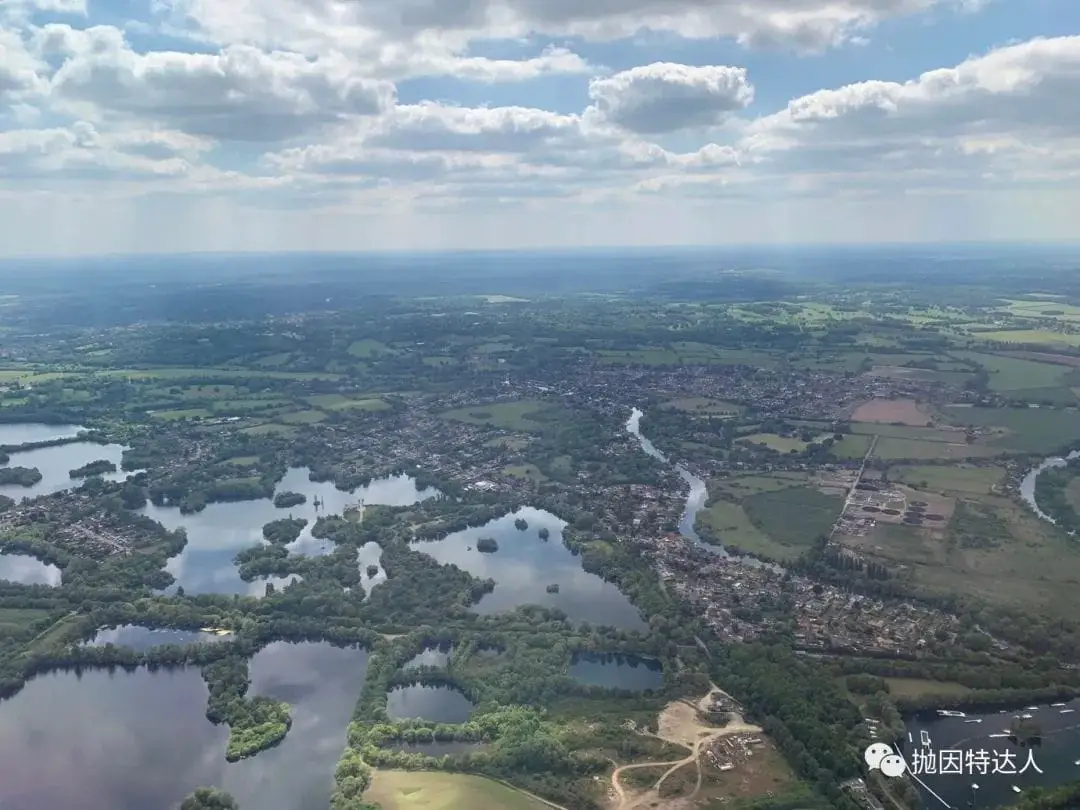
(240,94)
(665,97)
(1013,107)
(801,24)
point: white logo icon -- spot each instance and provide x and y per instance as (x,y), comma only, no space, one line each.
(880,756)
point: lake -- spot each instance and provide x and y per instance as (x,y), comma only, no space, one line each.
(525,565)
(55,463)
(132,741)
(27,570)
(615,671)
(219,531)
(145,638)
(439,704)
(430,657)
(1056,756)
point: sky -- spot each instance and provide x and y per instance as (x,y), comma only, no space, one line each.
(160,126)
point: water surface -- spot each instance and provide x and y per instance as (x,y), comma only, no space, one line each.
(56,464)
(430,657)
(1056,755)
(27,570)
(24,433)
(525,565)
(142,638)
(221,530)
(438,704)
(615,671)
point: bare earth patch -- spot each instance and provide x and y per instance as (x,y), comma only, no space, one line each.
(892,411)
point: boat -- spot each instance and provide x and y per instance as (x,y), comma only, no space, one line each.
(1015,789)
(999,736)
(909,738)
(976,720)
(1067,711)
(950,713)
(1032,709)
(1026,716)
(1057,705)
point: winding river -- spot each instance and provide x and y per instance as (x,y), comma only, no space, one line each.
(695,499)
(1027,485)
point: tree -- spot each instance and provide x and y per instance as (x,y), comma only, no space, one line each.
(209,798)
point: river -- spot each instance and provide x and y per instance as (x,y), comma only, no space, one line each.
(695,499)
(1056,757)
(1027,485)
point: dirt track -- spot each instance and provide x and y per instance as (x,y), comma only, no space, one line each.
(677,730)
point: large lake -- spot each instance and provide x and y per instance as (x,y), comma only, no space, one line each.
(55,463)
(1056,756)
(525,565)
(136,741)
(219,531)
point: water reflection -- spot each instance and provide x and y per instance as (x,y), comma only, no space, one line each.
(128,741)
(430,657)
(438,704)
(1027,485)
(27,570)
(145,638)
(525,565)
(615,671)
(370,554)
(1056,756)
(695,499)
(133,741)
(219,531)
(56,463)
(321,683)
(24,433)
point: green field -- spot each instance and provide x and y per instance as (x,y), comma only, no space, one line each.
(368,347)
(269,429)
(1012,374)
(177,373)
(890,449)
(189,413)
(907,432)
(782,444)
(852,446)
(1041,336)
(958,479)
(303,417)
(506,415)
(1030,430)
(703,406)
(688,354)
(774,517)
(431,790)
(339,402)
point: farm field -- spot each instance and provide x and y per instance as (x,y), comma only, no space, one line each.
(1013,374)
(703,406)
(775,517)
(891,449)
(992,550)
(1045,337)
(368,348)
(430,790)
(890,411)
(337,402)
(506,415)
(782,444)
(687,354)
(957,479)
(1028,430)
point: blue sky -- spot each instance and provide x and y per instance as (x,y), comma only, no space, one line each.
(186,125)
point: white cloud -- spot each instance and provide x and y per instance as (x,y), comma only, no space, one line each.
(1013,107)
(241,93)
(803,24)
(665,97)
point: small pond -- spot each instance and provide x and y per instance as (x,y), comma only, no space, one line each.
(144,638)
(615,671)
(221,530)
(430,657)
(438,704)
(27,570)
(524,566)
